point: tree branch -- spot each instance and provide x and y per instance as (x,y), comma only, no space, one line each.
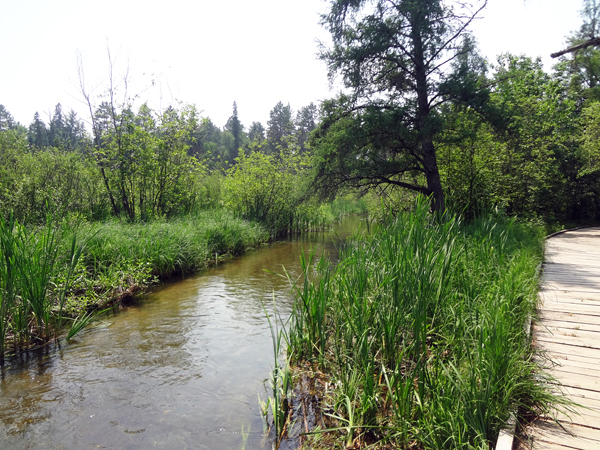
(591,42)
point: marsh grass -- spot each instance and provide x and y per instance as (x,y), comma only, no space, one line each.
(34,279)
(420,330)
(276,410)
(62,273)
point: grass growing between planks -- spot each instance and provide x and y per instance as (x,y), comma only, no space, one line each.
(419,332)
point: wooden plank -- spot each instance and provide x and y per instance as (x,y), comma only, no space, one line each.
(550,346)
(583,319)
(592,298)
(575,339)
(548,446)
(590,369)
(569,285)
(563,325)
(567,360)
(577,394)
(575,367)
(585,309)
(575,436)
(579,305)
(586,417)
(571,289)
(584,335)
(575,380)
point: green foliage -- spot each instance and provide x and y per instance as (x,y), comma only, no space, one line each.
(520,152)
(144,163)
(420,330)
(280,128)
(392,58)
(34,183)
(269,189)
(35,276)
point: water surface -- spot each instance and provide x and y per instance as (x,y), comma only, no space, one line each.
(182,369)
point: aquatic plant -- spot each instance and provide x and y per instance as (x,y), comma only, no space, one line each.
(34,279)
(419,329)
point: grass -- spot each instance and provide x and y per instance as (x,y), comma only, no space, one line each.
(32,268)
(64,272)
(419,329)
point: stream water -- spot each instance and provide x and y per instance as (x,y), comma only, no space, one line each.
(183,369)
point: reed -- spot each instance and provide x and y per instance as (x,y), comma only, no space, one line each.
(50,274)
(34,279)
(420,330)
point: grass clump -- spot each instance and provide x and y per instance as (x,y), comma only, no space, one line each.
(121,260)
(49,277)
(420,331)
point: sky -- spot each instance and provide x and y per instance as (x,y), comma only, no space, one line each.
(210,53)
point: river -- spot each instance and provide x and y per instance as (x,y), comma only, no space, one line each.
(181,369)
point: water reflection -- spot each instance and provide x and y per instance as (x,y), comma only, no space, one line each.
(181,370)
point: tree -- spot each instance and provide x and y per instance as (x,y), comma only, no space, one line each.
(306,122)
(583,66)
(142,157)
(279,126)
(38,134)
(393,59)
(7,122)
(235,127)
(587,36)
(256,133)
(57,127)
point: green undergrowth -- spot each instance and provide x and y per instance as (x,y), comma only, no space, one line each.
(419,333)
(121,260)
(55,275)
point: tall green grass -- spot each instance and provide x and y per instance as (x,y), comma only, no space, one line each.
(121,260)
(47,276)
(420,330)
(34,279)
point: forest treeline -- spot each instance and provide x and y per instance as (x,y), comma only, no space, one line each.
(522,140)
(140,164)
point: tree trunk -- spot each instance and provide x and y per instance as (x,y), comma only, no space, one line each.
(432,173)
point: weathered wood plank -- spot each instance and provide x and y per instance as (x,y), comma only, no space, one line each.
(583,319)
(567,334)
(576,369)
(557,348)
(560,325)
(592,344)
(586,417)
(547,446)
(575,436)
(575,380)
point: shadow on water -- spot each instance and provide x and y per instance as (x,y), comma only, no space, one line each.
(183,369)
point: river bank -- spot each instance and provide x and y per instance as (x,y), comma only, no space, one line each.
(182,368)
(416,338)
(78,268)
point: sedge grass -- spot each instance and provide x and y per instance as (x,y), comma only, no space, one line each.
(420,328)
(49,275)
(32,269)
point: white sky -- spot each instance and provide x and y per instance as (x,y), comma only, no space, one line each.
(209,52)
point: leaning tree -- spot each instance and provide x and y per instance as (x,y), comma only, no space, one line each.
(397,62)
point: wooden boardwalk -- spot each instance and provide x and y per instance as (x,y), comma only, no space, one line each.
(569,333)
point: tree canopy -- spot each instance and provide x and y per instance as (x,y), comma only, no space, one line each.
(394,61)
